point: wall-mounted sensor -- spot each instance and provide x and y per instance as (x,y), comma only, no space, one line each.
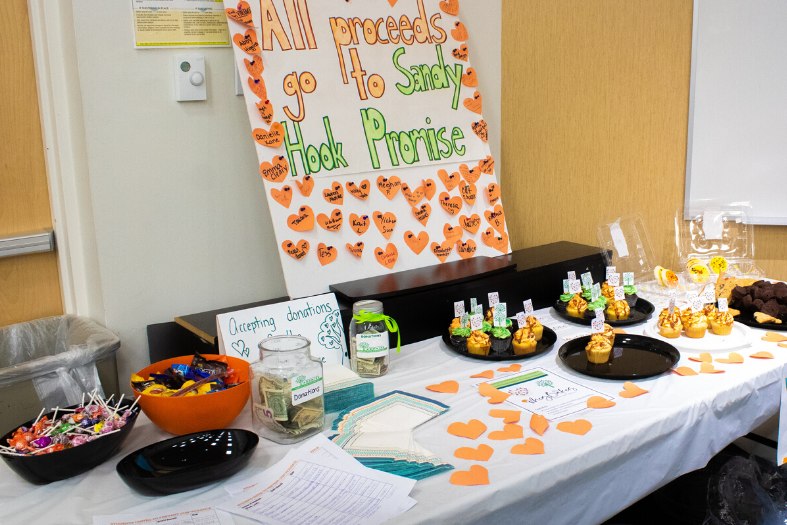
(190,77)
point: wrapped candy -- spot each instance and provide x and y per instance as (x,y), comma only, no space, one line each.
(203,376)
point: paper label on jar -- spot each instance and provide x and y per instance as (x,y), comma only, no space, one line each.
(371,345)
(305,387)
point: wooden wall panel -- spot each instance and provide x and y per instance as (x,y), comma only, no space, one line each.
(29,284)
(595,99)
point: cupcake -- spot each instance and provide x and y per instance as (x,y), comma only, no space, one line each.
(524,342)
(587,294)
(501,340)
(608,334)
(478,343)
(565,298)
(618,311)
(665,312)
(577,306)
(608,292)
(459,338)
(710,311)
(490,316)
(721,323)
(684,316)
(631,295)
(696,325)
(670,325)
(454,324)
(601,302)
(486,327)
(534,326)
(598,350)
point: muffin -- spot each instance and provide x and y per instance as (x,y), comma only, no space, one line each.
(608,292)
(670,325)
(598,350)
(631,295)
(696,325)
(454,324)
(534,326)
(459,338)
(618,311)
(501,340)
(721,323)
(710,311)
(524,342)
(577,306)
(478,343)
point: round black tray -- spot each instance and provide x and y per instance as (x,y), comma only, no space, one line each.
(747,318)
(632,357)
(548,338)
(641,312)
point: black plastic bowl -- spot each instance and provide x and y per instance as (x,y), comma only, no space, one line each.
(187,462)
(64,464)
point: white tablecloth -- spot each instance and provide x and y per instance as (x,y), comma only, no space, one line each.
(634,448)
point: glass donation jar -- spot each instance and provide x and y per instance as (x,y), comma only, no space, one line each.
(369,327)
(287,390)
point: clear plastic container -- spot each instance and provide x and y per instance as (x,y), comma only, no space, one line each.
(369,349)
(628,241)
(287,390)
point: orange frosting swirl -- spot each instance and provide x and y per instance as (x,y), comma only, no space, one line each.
(724,318)
(598,344)
(673,321)
(697,319)
(523,335)
(478,337)
(578,302)
(532,322)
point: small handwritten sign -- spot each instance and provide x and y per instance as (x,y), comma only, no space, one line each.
(464,320)
(479,309)
(595,292)
(620,294)
(672,300)
(521,319)
(610,271)
(709,295)
(493,299)
(528,306)
(614,279)
(597,325)
(572,276)
(473,304)
(476,321)
(459,308)
(697,305)
(575,286)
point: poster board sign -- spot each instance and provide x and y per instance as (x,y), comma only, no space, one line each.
(368,125)
(317,318)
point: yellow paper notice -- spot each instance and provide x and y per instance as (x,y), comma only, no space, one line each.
(171,23)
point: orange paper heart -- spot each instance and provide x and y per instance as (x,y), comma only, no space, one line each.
(516,367)
(332,223)
(762,355)
(257,86)
(495,396)
(301,221)
(459,33)
(631,390)
(466,249)
(539,424)
(493,193)
(417,243)
(392,2)
(361,191)
(510,431)
(389,186)
(488,374)
(248,41)
(685,371)
(474,104)
(703,358)
(451,7)
(266,111)
(283,197)
(423,213)
(449,204)
(734,359)
(356,249)
(334,194)
(618,331)
(452,234)
(468,193)
(493,240)
(707,368)
(469,79)
(509,416)
(471,430)
(450,181)
(385,222)
(782,345)
(496,218)
(306,186)
(442,251)
(242,14)
(599,402)
(487,165)
(469,175)
(275,172)
(482,453)
(477,475)
(471,223)
(481,130)
(531,446)
(429,188)
(296,250)
(580,427)
(326,254)
(446,387)
(388,256)
(254,66)
(773,337)
(412,196)
(461,53)
(359,224)
(272,138)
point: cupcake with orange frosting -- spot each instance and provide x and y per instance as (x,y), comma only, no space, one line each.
(598,350)
(710,311)
(577,306)
(618,311)
(524,342)
(721,323)
(607,334)
(456,323)
(534,326)
(670,325)
(478,343)
(696,325)
(608,292)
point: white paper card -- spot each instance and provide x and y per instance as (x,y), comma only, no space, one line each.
(317,318)
(528,306)
(600,314)
(620,294)
(628,278)
(479,309)
(709,295)
(572,276)
(690,296)
(464,320)
(493,299)
(499,314)
(595,292)
(521,319)
(614,279)
(587,280)
(723,305)
(473,304)
(597,325)
(610,271)
(459,308)
(672,300)
(565,285)
(713,224)
(697,305)
(618,239)
(476,321)
(575,287)
(194,514)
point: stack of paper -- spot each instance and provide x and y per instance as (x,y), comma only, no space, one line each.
(344,388)
(379,434)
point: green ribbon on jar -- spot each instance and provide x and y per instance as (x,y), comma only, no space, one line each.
(366,317)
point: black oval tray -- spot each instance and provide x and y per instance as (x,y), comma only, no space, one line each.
(548,339)
(641,312)
(747,318)
(632,357)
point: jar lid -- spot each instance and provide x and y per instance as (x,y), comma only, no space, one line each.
(373,307)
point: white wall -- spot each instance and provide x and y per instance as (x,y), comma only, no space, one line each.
(181,220)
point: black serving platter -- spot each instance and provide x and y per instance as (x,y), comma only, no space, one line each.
(548,338)
(632,357)
(64,464)
(639,313)
(747,318)
(187,462)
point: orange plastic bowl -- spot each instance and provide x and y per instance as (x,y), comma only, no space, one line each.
(184,415)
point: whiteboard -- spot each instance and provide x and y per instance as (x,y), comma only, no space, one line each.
(737,135)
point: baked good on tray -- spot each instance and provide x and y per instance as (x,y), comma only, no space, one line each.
(618,311)
(478,343)
(598,349)
(696,324)
(721,323)
(534,326)
(763,297)
(501,339)
(459,338)
(670,325)
(577,306)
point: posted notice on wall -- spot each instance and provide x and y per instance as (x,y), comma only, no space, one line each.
(316,318)
(179,23)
